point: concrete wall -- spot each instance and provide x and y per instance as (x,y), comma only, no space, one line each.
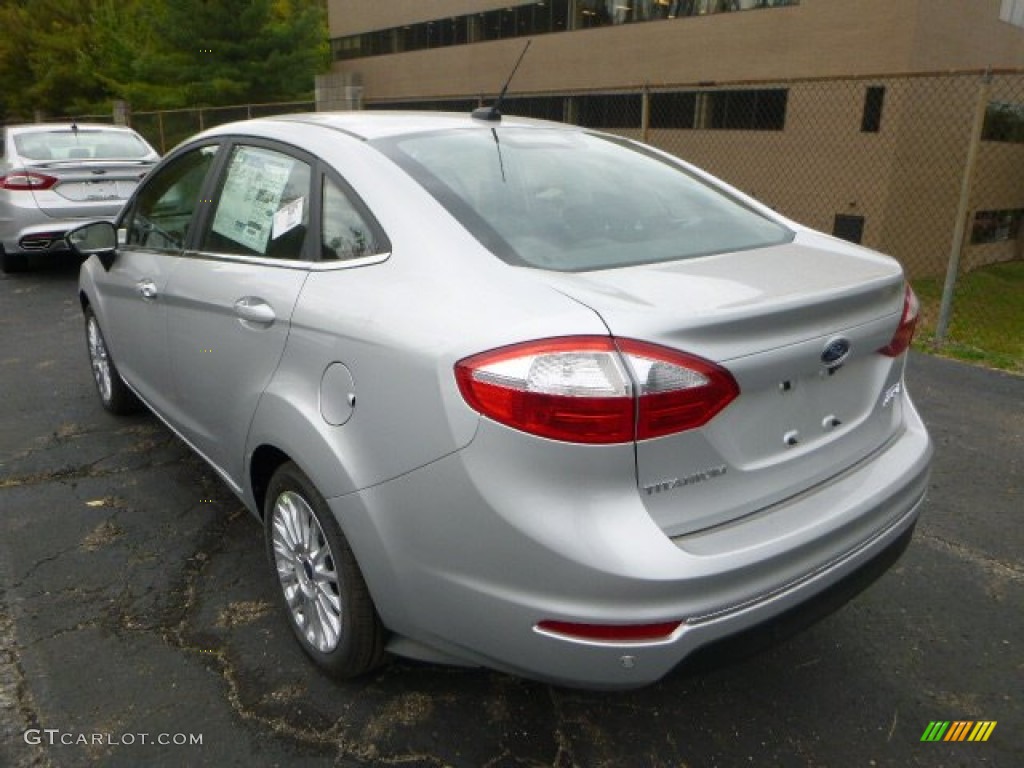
(816,38)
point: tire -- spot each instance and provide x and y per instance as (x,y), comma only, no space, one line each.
(114,393)
(12,262)
(320,584)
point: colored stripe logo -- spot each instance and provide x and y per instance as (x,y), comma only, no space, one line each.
(958,730)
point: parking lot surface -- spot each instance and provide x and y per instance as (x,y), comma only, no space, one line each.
(137,614)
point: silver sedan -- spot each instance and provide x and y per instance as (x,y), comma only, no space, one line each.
(53,177)
(512,393)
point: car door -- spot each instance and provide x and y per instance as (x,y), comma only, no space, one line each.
(230,300)
(152,233)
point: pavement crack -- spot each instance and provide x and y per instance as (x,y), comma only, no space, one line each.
(993,566)
(59,633)
(27,576)
(77,472)
(563,754)
(17,707)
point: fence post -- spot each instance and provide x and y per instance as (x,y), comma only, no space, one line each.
(962,210)
(163,139)
(122,112)
(645,113)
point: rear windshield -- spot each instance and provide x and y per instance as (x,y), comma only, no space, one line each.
(571,201)
(80,144)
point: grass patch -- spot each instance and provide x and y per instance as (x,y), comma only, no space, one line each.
(987,325)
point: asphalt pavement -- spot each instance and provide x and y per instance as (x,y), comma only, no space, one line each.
(137,622)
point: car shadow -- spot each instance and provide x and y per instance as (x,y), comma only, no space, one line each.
(46,269)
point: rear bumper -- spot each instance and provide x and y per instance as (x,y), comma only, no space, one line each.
(465,557)
(26,229)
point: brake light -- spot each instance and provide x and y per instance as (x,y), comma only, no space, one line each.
(594,389)
(26,180)
(610,633)
(908,322)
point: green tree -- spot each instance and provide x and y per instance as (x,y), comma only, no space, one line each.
(42,66)
(76,56)
(234,51)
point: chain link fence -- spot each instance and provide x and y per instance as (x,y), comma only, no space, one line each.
(928,168)
(165,129)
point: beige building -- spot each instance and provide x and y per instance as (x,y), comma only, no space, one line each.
(854,116)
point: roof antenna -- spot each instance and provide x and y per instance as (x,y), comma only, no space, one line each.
(493,113)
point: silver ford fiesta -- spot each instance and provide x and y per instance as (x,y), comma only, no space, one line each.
(512,393)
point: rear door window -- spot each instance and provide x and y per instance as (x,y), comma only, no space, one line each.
(348,232)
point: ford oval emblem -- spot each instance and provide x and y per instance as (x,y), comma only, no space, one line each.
(835,352)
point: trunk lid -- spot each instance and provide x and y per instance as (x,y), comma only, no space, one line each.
(87,189)
(767,315)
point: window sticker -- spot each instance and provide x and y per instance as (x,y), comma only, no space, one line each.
(288,217)
(251,196)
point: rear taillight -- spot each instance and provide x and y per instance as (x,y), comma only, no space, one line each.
(594,389)
(908,322)
(677,391)
(26,180)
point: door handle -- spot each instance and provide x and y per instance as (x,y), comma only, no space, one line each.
(147,288)
(255,310)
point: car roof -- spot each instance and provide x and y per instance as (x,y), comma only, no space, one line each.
(370,124)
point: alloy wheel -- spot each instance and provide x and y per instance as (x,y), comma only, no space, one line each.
(307,572)
(100,360)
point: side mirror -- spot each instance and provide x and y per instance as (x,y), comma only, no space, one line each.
(96,239)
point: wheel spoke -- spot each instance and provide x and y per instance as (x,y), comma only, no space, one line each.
(307,529)
(283,537)
(332,600)
(323,564)
(284,557)
(292,596)
(328,624)
(289,519)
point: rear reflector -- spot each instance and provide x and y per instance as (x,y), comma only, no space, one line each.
(40,240)
(611,633)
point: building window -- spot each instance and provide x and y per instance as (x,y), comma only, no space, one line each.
(540,107)
(451,105)
(673,110)
(849,227)
(534,18)
(609,111)
(871,120)
(747,110)
(996,226)
(1004,122)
